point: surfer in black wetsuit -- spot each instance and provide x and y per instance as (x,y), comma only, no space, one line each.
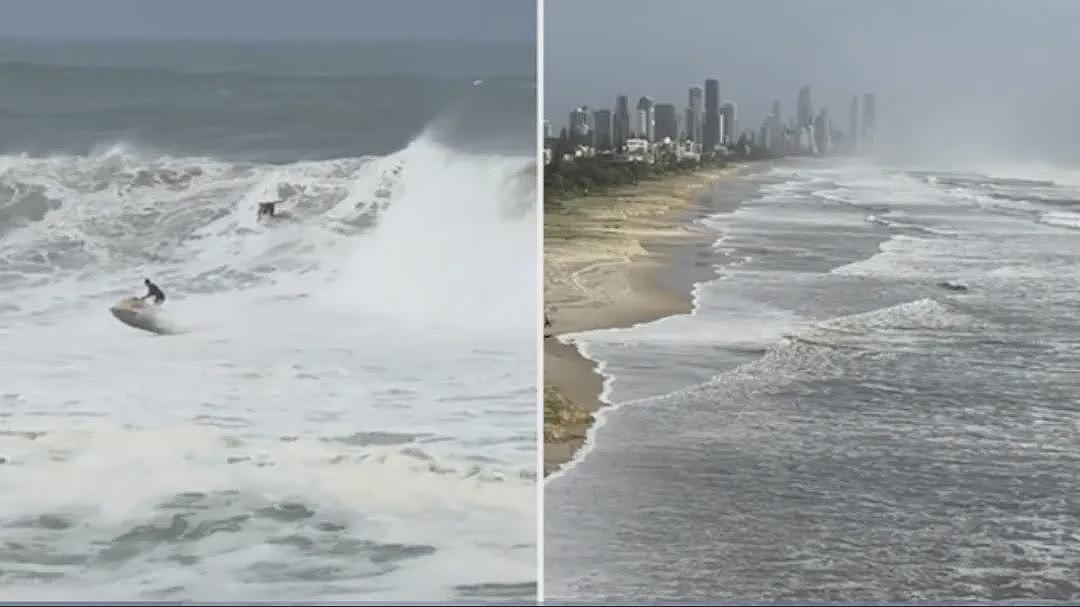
(155,292)
(266,208)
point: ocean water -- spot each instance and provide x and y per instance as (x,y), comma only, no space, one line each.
(347,408)
(833,423)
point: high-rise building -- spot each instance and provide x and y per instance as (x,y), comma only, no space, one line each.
(791,136)
(602,129)
(666,126)
(547,129)
(853,125)
(775,130)
(804,140)
(694,114)
(620,128)
(578,130)
(822,138)
(868,118)
(804,111)
(710,136)
(727,119)
(646,119)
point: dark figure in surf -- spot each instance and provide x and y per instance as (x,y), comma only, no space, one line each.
(266,208)
(154,291)
(953,286)
(547,325)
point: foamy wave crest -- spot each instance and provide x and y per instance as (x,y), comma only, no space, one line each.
(1062,219)
(921,315)
(891,219)
(249,519)
(457,248)
(902,327)
(427,235)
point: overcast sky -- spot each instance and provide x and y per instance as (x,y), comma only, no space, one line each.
(979,78)
(502,20)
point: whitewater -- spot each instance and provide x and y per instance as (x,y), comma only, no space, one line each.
(347,410)
(874,400)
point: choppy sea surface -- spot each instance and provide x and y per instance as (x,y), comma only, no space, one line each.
(876,399)
(346,410)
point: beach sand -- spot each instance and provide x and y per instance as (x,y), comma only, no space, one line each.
(604,257)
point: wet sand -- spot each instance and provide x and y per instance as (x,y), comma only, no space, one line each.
(608,262)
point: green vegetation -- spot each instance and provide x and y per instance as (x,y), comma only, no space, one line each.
(584,176)
(564,179)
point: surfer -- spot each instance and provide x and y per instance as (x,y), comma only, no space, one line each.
(154,291)
(953,286)
(266,208)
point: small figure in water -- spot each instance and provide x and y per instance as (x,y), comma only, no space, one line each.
(547,325)
(154,291)
(953,286)
(266,208)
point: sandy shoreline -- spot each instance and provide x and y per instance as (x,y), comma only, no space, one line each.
(604,257)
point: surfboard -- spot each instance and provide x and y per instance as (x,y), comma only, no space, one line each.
(136,313)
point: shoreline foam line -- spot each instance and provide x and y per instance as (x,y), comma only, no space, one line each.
(692,217)
(607,378)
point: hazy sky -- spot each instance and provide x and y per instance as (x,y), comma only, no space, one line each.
(972,78)
(502,20)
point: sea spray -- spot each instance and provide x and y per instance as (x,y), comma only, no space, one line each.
(455,250)
(352,413)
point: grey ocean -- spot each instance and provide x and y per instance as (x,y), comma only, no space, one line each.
(876,399)
(347,408)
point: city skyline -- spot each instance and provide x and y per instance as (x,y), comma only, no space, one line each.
(809,130)
(965,85)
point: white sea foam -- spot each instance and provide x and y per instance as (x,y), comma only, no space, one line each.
(351,413)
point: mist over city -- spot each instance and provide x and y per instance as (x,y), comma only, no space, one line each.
(958,83)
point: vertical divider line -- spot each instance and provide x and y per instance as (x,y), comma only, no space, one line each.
(540,301)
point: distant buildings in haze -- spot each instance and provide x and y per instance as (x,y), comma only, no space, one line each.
(579,123)
(666,125)
(710,138)
(694,113)
(804,111)
(727,123)
(646,119)
(709,126)
(602,130)
(822,134)
(853,125)
(868,119)
(620,128)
